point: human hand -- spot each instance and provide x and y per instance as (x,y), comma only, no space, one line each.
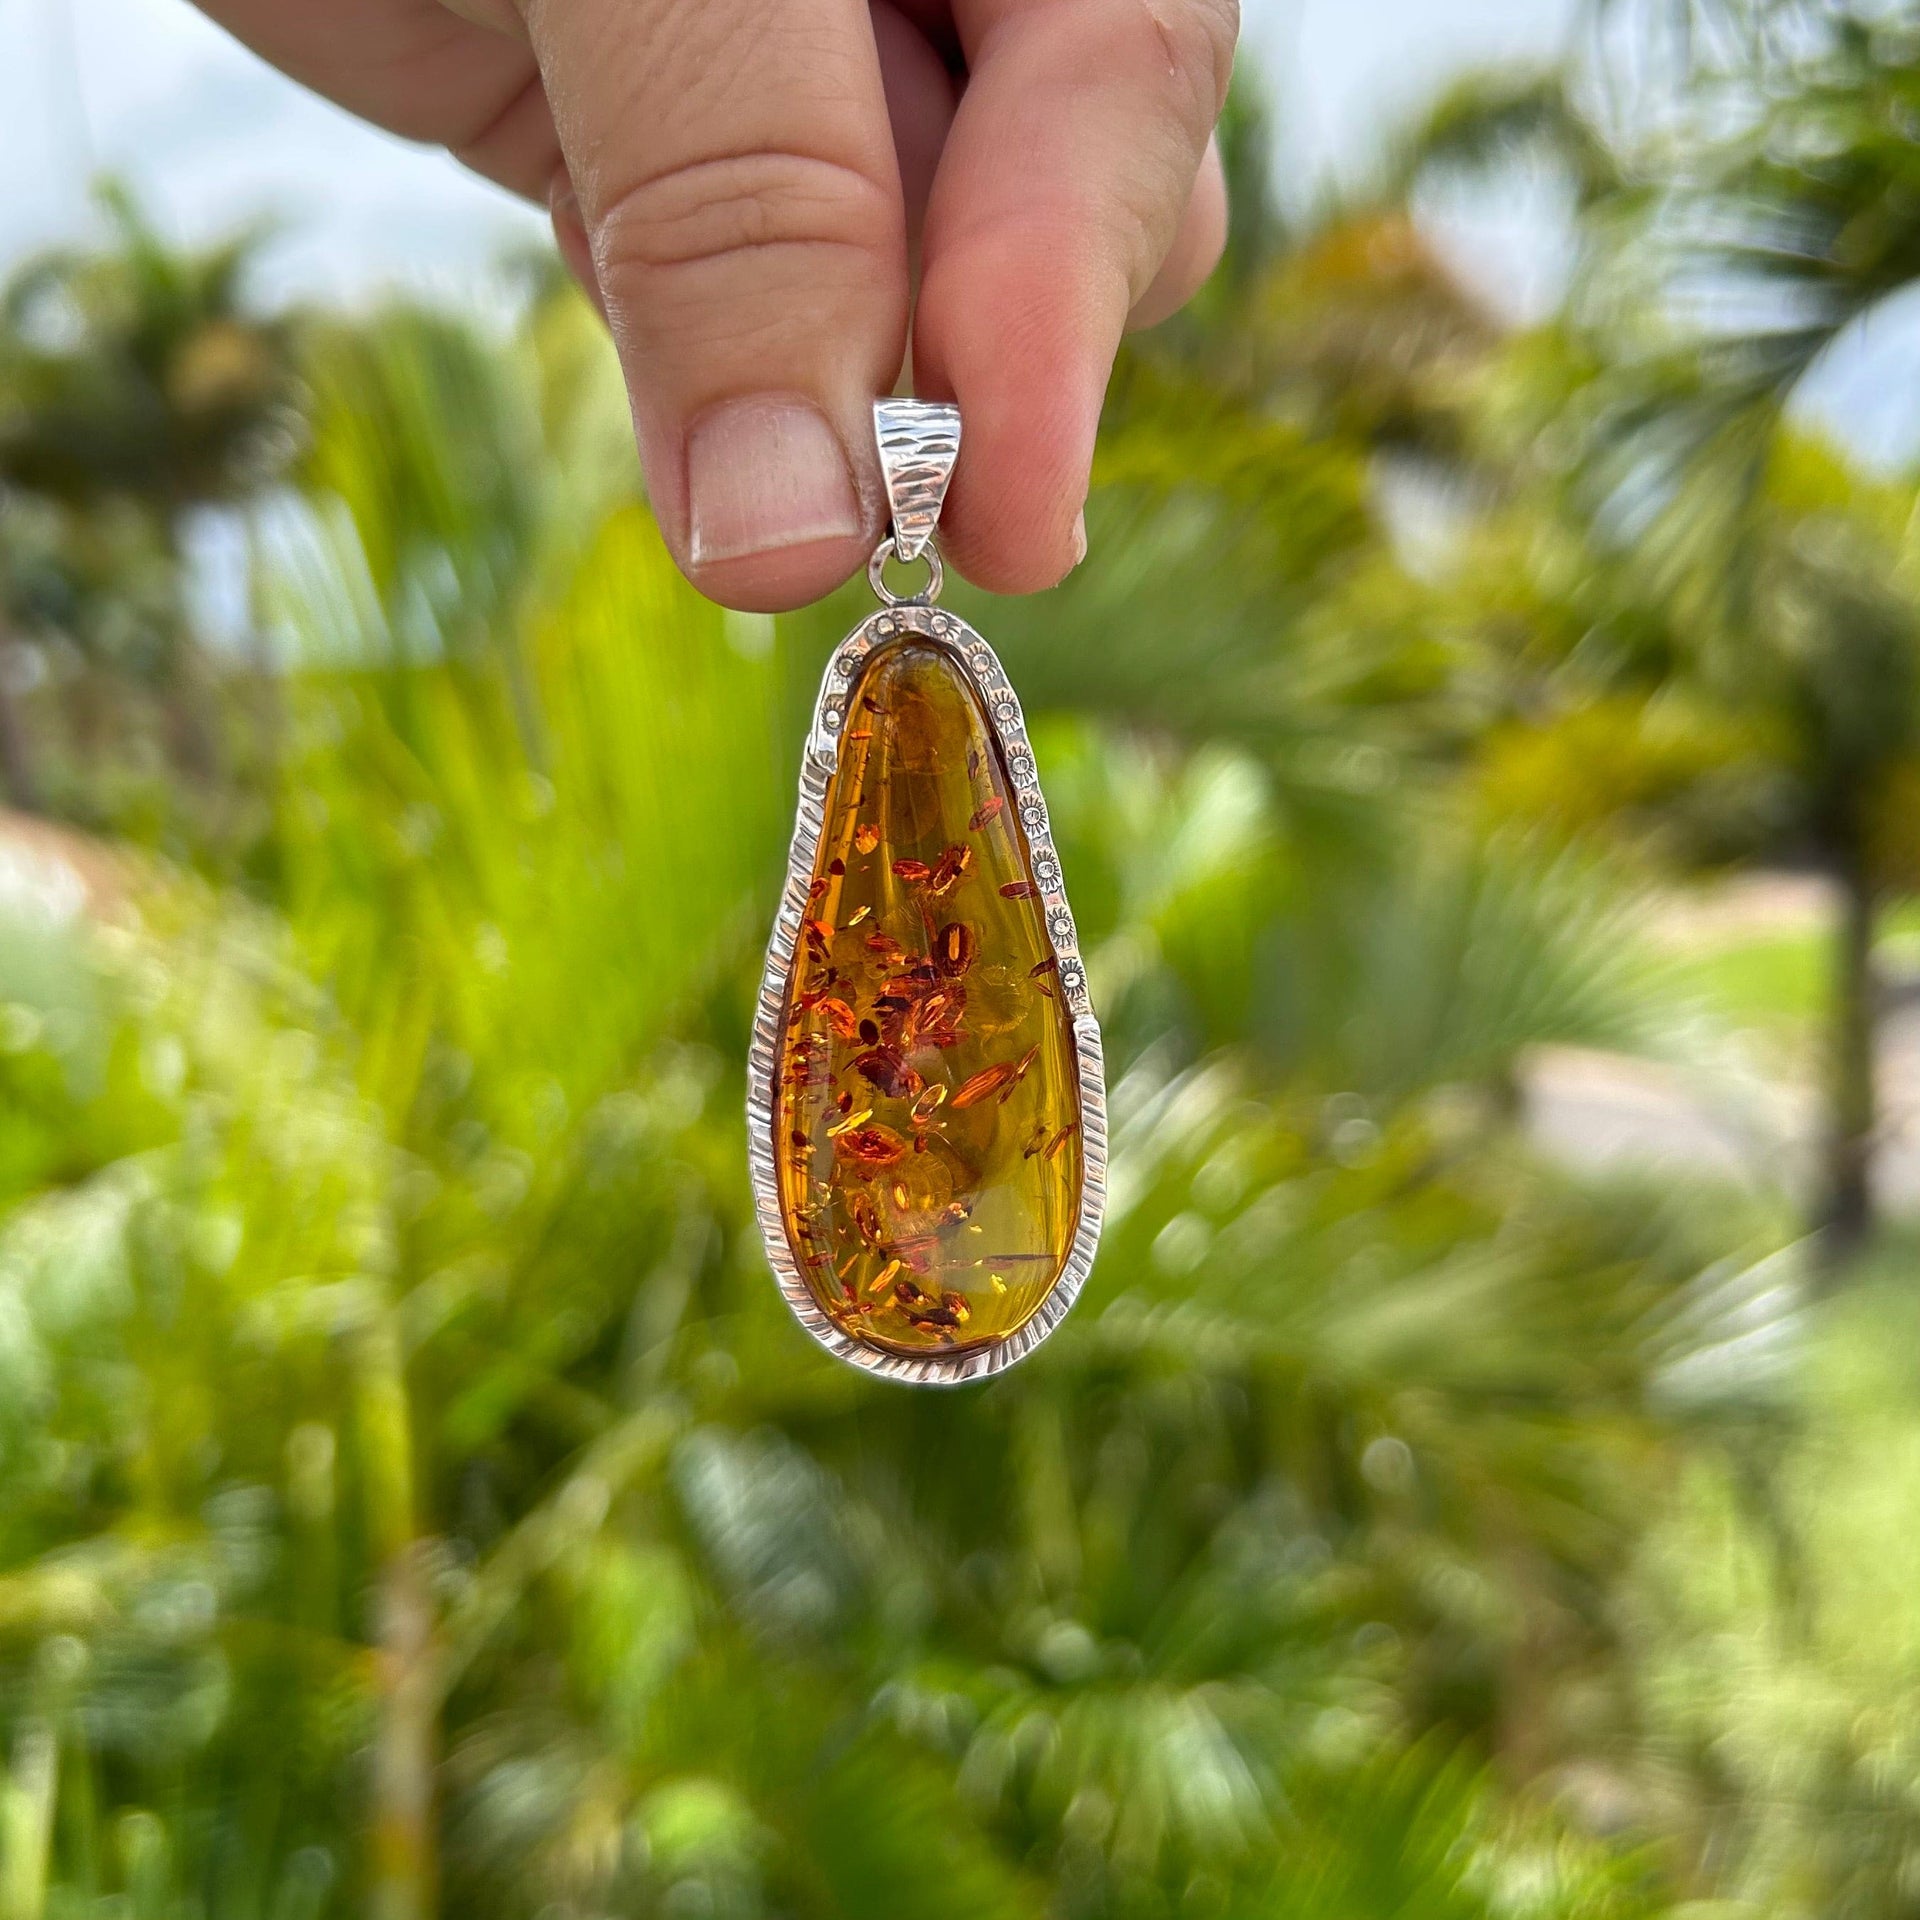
(742,185)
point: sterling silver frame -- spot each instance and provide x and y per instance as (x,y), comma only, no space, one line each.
(903,620)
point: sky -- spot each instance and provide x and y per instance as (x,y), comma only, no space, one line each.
(210,137)
(150,90)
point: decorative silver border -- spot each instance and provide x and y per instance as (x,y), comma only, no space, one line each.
(878,630)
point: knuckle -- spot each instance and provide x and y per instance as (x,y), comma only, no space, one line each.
(711,212)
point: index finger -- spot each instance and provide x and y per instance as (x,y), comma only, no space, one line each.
(1071,160)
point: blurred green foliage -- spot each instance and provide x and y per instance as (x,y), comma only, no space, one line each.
(413,1495)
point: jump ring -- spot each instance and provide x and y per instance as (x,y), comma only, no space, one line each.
(888,549)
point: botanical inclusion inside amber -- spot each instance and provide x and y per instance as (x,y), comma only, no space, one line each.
(927,1117)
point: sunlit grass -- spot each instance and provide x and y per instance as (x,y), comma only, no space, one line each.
(1781,984)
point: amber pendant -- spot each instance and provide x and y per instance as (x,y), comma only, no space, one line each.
(926,1107)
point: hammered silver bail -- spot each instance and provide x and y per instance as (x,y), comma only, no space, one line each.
(919,442)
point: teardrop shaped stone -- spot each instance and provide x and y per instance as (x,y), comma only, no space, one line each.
(927,1109)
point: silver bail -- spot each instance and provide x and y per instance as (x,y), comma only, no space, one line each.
(919,442)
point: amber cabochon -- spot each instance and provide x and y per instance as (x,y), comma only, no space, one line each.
(926,1113)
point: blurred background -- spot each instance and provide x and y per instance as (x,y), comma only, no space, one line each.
(1481,1476)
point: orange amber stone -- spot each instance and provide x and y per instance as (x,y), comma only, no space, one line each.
(927,1113)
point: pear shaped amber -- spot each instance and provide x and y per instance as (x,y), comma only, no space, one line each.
(927,1110)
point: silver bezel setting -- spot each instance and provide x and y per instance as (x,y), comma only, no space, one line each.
(891,624)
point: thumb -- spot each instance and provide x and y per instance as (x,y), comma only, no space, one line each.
(736,181)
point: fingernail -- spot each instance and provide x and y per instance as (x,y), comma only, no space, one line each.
(763,474)
(1079,537)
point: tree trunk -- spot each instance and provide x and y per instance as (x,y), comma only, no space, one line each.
(1846,1217)
(18,772)
(405,1741)
(406,1732)
(27,1792)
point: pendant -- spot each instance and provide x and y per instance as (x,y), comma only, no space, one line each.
(926,1106)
